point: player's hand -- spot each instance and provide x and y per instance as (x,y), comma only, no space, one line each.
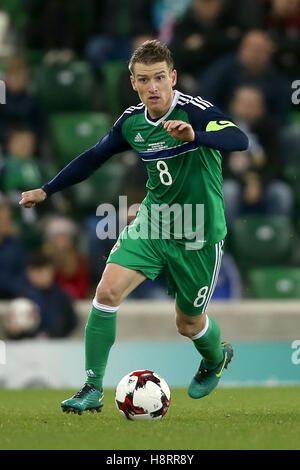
(31,198)
(180,130)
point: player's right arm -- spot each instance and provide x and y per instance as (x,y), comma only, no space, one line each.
(80,168)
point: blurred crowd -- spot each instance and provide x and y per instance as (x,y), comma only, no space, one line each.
(61,59)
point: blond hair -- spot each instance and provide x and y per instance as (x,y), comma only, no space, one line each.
(150,52)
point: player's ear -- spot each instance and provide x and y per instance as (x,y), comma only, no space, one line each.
(133,82)
(174,77)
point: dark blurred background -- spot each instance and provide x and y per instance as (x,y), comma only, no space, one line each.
(65,66)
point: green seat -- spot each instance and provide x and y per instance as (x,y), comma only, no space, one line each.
(16,11)
(294,117)
(65,87)
(275,283)
(73,133)
(261,241)
(31,234)
(102,187)
(112,72)
(35,57)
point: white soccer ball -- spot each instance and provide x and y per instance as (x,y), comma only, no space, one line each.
(142,395)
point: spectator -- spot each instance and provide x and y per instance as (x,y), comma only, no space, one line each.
(166,14)
(117,24)
(250,66)
(252,179)
(71,267)
(281,18)
(249,13)
(207,31)
(12,257)
(21,171)
(57,315)
(22,107)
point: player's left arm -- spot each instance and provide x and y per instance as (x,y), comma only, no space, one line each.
(209,128)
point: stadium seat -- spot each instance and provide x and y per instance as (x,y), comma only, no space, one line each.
(30,234)
(294,117)
(261,241)
(275,283)
(16,11)
(112,72)
(103,186)
(35,57)
(65,87)
(73,133)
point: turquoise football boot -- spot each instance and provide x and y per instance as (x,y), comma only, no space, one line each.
(89,398)
(206,380)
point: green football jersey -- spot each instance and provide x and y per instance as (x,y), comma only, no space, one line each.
(184,199)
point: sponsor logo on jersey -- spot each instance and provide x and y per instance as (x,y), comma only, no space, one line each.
(157,146)
(138,138)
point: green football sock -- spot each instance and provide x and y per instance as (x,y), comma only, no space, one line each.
(100,334)
(209,345)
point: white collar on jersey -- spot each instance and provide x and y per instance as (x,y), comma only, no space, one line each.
(174,102)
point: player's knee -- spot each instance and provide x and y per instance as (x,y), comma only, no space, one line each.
(190,326)
(186,329)
(107,295)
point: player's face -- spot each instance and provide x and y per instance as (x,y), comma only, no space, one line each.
(154,85)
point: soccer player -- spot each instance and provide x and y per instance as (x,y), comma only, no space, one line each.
(179,138)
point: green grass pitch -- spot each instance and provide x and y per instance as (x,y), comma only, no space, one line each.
(230,418)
